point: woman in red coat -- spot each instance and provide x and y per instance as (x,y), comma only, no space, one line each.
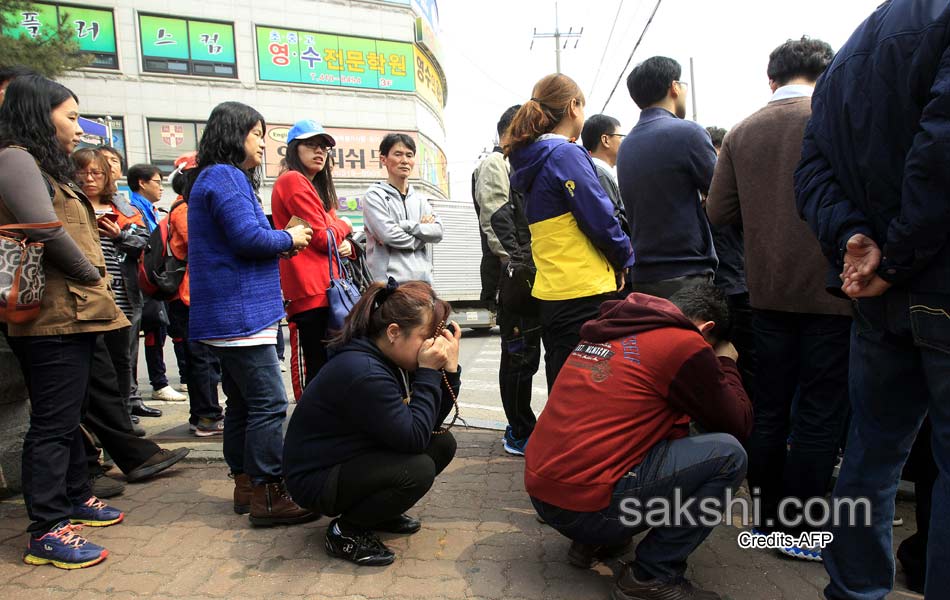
(305,190)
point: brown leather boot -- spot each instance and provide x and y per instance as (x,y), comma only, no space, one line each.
(242,494)
(272,505)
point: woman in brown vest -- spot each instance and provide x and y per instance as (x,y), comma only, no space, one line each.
(39,127)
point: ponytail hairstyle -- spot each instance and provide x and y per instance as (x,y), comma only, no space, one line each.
(550,100)
(408,305)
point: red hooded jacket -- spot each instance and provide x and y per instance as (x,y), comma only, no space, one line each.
(641,371)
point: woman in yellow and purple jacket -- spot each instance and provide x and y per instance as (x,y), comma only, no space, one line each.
(577,244)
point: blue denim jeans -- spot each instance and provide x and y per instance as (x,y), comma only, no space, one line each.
(200,366)
(256,409)
(701,466)
(900,371)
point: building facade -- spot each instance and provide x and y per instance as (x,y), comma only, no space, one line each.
(361,68)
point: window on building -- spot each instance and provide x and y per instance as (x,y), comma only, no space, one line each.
(187,46)
(94,28)
(167,140)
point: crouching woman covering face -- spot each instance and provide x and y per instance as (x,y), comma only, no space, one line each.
(365,441)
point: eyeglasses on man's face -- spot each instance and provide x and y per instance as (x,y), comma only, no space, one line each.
(158,181)
(684,84)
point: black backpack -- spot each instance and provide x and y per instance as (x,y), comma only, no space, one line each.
(160,273)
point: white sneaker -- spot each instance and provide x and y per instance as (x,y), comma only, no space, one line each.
(168,394)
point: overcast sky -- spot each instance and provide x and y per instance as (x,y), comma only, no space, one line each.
(489,65)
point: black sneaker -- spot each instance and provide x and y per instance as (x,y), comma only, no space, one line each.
(402,524)
(357,545)
(157,463)
(628,587)
(583,556)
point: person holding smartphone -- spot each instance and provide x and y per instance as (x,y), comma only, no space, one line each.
(365,441)
(123,235)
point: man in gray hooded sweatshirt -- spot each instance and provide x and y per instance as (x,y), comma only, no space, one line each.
(398,221)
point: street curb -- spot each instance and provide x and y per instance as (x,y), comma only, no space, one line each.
(209,452)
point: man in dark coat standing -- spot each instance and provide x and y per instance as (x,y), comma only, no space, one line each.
(874,184)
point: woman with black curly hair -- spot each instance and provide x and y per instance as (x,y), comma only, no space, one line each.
(236,306)
(39,127)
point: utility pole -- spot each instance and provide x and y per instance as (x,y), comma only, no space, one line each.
(692,86)
(557,34)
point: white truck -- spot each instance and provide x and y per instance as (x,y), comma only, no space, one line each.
(456,264)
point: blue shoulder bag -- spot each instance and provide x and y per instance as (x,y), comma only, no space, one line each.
(342,294)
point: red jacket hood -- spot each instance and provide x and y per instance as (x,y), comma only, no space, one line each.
(634,314)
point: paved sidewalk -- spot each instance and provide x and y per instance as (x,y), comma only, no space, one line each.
(480,539)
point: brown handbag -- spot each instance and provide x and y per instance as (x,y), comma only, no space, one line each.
(22,278)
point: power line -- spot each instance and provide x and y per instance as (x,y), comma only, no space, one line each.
(488,75)
(557,34)
(606,47)
(630,58)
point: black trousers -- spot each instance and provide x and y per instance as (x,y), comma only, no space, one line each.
(378,486)
(201,366)
(154,342)
(520,358)
(743,338)
(792,451)
(106,415)
(667,287)
(56,370)
(136,320)
(561,322)
(311,332)
(116,346)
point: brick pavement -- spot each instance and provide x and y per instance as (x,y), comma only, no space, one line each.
(480,539)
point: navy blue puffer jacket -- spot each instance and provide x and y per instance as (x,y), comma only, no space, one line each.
(876,153)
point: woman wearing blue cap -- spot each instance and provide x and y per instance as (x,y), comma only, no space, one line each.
(305,190)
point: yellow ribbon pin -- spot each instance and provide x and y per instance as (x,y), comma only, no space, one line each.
(570,185)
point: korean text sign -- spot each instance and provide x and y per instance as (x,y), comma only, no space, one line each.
(428,81)
(356,155)
(187,39)
(94,28)
(336,60)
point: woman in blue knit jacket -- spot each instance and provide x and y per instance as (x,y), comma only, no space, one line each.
(236,306)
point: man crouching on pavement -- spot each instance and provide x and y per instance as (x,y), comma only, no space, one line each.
(614,435)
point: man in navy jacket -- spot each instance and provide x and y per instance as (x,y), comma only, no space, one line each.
(664,167)
(874,184)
